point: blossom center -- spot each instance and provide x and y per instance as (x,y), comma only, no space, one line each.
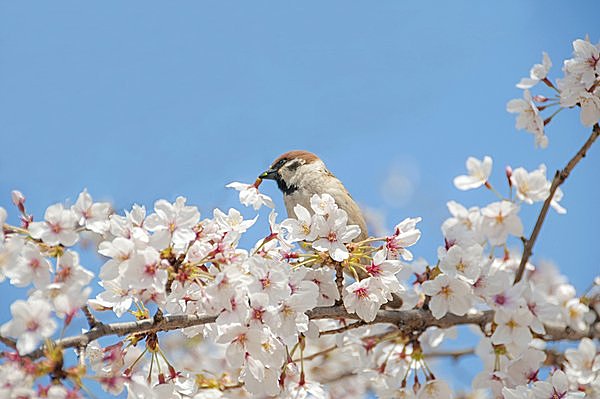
(361,292)
(446,291)
(332,236)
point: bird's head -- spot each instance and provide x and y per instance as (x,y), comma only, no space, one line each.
(290,169)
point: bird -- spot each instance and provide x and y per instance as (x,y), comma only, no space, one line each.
(301,174)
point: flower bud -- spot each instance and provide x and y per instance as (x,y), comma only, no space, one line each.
(19,200)
(509,172)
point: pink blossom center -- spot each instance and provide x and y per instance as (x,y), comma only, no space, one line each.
(150,269)
(34,263)
(500,299)
(56,228)
(361,292)
(332,236)
(32,325)
(374,270)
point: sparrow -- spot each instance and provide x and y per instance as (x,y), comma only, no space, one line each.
(301,174)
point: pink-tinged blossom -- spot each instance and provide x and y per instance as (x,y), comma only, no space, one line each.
(31,323)
(529,117)
(513,328)
(172,223)
(583,363)
(448,294)
(58,227)
(557,386)
(31,267)
(131,226)
(270,277)
(303,227)
(479,173)
(324,279)
(114,297)
(580,84)
(524,369)
(250,196)
(232,221)
(537,73)
(92,215)
(405,235)
(323,204)
(120,250)
(500,220)
(361,298)
(383,275)
(464,263)
(531,186)
(574,313)
(145,271)
(464,225)
(334,234)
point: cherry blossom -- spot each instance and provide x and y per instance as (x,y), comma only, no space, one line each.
(59,227)
(30,324)
(249,195)
(479,173)
(361,298)
(501,219)
(529,117)
(447,294)
(334,233)
(537,73)
(94,216)
(303,228)
(172,223)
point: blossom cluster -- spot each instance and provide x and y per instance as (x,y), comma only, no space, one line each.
(579,87)
(309,305)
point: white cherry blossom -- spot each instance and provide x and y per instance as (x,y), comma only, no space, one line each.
(361,298)
(479,173)
(59,227)
(31,323)
(500,220)
(537,73)
(334,233)
(447,294)
(529,117)
(250,196)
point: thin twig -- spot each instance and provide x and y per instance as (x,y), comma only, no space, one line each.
(91,319)
(559,179)
(455,354)
(343,328)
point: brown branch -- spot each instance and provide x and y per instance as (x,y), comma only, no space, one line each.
(8,342)
(408,322)
(455,354)
(559,178)
(91,319)
(343,328)
(168,323)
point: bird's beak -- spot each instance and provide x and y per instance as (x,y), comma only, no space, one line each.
(270,174)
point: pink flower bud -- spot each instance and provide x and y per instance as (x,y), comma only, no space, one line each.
(508,175)
(540,99)
(19,200)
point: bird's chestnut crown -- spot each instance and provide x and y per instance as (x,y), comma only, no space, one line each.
(286,165)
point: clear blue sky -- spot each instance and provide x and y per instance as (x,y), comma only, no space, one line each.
(141,100)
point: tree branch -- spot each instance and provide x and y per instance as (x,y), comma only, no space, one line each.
(412,321)
(559,179)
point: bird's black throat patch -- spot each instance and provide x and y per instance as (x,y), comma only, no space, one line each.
(287,190)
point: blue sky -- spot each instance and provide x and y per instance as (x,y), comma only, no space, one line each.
(139,101)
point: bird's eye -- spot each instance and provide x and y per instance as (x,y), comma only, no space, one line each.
(280,163)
